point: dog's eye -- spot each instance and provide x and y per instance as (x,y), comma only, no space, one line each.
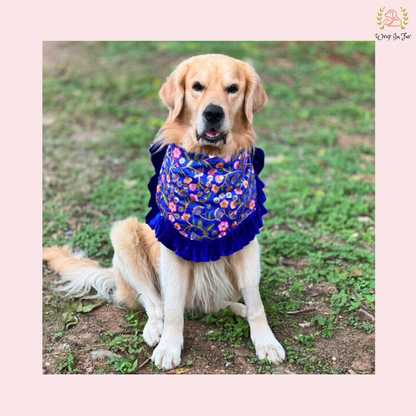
(232,89)
(197,86)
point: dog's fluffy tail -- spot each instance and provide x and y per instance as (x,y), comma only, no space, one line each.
(78,275)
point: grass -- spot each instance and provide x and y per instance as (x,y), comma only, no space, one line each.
(101,111)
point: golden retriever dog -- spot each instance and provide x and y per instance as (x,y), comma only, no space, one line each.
(211,101)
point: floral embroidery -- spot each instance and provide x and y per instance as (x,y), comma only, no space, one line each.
(177,153)
(172,206)
(205,197)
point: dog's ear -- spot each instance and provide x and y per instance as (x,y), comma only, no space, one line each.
(255,97)
(172,92)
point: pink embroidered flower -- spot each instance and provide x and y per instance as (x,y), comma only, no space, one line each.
(171,218)
(236,164)
(194,197)
(223,226)
(238,191)
(177,153)
(227,159)
(172,207)
(192,187)
(183,233)
(252,204)
(163,179)
(212,172)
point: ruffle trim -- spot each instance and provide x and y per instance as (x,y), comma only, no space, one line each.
(207,250)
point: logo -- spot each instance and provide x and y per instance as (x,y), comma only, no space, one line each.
(390,19)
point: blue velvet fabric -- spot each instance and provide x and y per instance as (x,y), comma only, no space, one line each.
(202,207)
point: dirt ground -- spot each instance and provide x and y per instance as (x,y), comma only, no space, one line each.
(350,349)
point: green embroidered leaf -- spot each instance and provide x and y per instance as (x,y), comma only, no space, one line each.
(210,227)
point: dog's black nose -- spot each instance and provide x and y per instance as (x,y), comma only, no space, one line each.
(213,113)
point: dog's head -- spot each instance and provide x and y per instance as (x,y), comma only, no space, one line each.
(211,101)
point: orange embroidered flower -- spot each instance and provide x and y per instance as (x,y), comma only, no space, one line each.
(188,180)
(224,204)
(186,217)
(215,189)
(177,226)
(233,204)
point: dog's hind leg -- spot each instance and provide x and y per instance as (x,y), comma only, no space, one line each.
(238,309)
(135,262)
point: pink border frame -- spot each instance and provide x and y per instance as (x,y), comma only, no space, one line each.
(27,24)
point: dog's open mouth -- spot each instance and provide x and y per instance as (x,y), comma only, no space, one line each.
(212,136)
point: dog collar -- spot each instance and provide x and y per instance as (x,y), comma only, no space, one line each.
(204,207)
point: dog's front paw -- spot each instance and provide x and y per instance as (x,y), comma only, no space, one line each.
(153,331)
(167,355)
(268,347)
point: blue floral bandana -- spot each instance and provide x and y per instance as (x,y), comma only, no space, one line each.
(203,207)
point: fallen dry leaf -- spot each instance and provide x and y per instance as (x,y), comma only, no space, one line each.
(179,371)
(304,311)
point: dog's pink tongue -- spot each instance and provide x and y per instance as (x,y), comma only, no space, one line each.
(212,133)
